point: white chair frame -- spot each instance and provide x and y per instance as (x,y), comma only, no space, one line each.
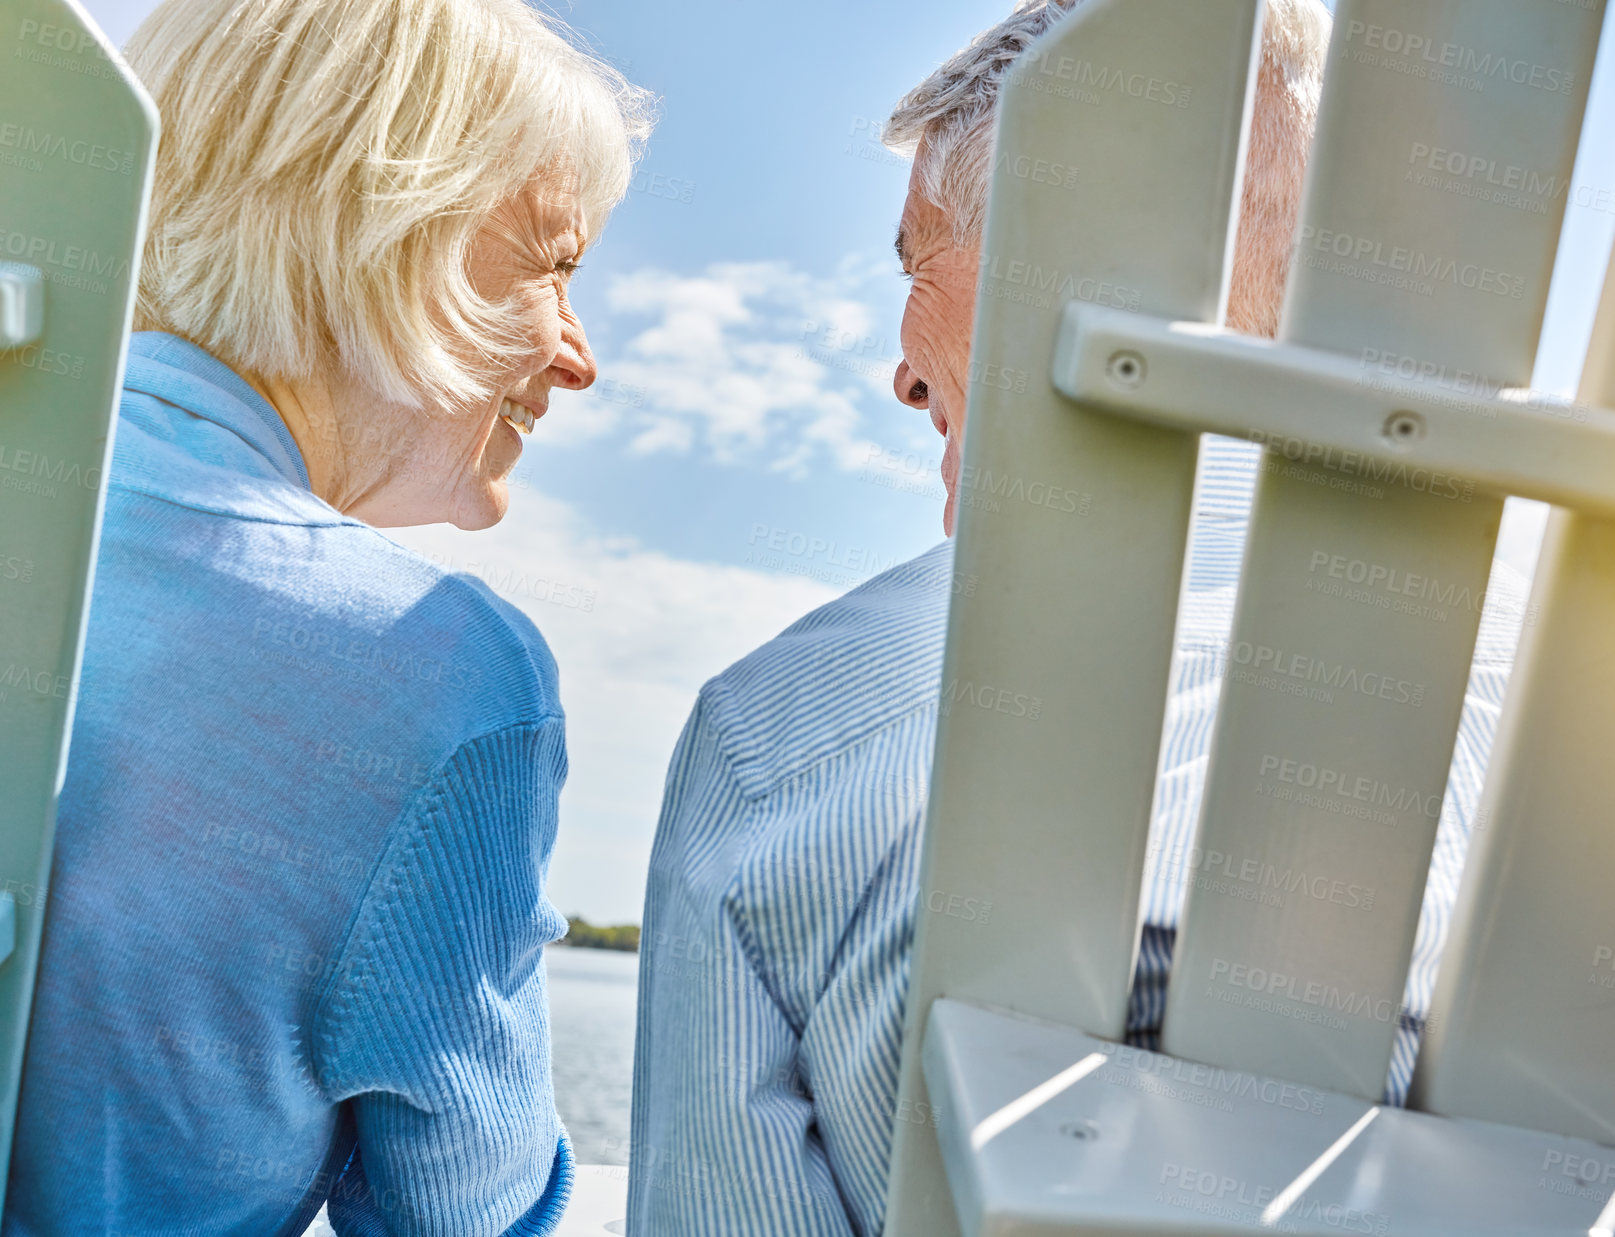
(82,136)
(1019,1113)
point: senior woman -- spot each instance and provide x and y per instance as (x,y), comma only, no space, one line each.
(296,944)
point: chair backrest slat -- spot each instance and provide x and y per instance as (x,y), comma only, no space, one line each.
(1071,536)
(1319,771)
(1521,1026)
(73,206)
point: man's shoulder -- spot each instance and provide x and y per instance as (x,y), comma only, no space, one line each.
(836,676)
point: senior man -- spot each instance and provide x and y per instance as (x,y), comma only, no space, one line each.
(780,911)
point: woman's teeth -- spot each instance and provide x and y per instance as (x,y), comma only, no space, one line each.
(520,418)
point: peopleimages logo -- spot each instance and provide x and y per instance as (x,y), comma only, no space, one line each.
(1262,659)
(991,699)
(1583,1169)
(1603,973)
(1017,279)
(1254,880)
(1087,76)
(1355,787)
(61,47)
(1222,1082)
(38,473)
(1479,167)
(58,38)
(1307,992)
(1357,464)
(785,544)
(981,487)
(1473,63)
(1394,581)
(341,650)
(26,140)
(40,682)
(18,569)
(1039,171)
(958,906)
(1415,264)
(1473,392)
(1219,1196)
(71,266)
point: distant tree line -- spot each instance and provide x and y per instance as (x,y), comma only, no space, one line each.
(585,935)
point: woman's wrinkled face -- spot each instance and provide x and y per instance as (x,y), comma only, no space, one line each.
(937,323)
(523,257)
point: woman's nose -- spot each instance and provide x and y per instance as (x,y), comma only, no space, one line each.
(910,390)
(574,366)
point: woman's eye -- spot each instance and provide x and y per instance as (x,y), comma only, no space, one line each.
(568,269)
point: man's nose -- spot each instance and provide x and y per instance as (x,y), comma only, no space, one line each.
(910,390)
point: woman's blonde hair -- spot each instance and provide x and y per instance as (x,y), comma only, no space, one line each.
(325,164)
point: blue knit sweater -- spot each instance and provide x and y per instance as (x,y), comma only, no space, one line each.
(295,944)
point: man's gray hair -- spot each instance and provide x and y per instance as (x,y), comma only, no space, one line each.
(946,123)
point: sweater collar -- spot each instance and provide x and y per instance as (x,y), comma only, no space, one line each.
(178,372)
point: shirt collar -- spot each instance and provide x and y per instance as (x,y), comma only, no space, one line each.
(178,372)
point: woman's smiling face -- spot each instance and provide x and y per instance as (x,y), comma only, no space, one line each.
(522,260)
(441,464)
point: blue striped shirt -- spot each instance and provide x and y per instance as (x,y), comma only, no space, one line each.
(779,913)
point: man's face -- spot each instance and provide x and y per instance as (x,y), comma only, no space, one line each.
(936,328)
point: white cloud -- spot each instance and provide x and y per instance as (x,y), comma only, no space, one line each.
(754,363)
(636,632)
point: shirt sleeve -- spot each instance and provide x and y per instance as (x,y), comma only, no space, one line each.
(1507,612)
(852,1047)
(723,1142)
(435,1028)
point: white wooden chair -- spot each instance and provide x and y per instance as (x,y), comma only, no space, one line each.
(77,139)
(1018,1113)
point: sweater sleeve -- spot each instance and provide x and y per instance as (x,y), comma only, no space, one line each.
(436,1025)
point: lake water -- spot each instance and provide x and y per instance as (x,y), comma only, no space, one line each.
(593,995)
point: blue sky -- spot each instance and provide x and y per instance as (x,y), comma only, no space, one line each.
(744,303)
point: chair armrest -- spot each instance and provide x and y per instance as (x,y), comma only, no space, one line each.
(599,1203)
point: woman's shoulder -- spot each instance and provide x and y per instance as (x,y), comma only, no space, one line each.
(487,643)
(343,605)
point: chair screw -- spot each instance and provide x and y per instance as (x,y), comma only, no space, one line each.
(1403,429)
(1082,1131)
(1126,369)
